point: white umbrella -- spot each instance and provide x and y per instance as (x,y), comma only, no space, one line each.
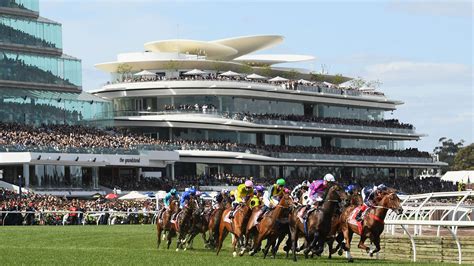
(278,79)
(195,72)
(145,73)
(255,76)
(134,195)
(230,74)
(304,81)
(328,84)
(161,194)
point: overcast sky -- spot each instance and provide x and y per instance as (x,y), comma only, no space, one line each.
(421,51)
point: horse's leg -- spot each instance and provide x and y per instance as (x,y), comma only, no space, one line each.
(361,245)
(158,234)
(294,240)
(277,245)
(348,238)
(222,234)
(330,242)
(287,247)
(168,237)
(376,240)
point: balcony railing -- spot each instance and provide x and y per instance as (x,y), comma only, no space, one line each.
(272,122)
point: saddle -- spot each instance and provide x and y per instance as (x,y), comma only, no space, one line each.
(352,218)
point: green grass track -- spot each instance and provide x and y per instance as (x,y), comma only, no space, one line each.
(124,245)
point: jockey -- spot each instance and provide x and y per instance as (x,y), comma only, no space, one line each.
(296,192)
(172,195)
(257,197)
(369,194)
(186,196)
(318,187)
(242,194)
(350,189)
(274,193)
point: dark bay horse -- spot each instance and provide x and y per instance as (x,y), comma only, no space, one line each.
(236,226)
(214,221)
(200,222)
(373,222)
(163,223)
(183,224)
(354,199)
(318,224)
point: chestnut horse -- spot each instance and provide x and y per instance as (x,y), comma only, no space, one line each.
(268,226)
(318,224)
(214,221)
(163,223)
(236,226)
(373,222)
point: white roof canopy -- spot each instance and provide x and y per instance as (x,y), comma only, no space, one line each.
(195,72)
(278,79)
(134,195)
(255,76)
(145,73)
(466,177)
(230,74)
(304,81)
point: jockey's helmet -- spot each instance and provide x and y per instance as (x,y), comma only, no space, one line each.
(281,182)
(329,178)
(249,183)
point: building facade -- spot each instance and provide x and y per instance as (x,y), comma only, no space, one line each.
(226,110)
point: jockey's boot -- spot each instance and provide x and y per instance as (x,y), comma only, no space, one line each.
(306,212)
(262,212)
(359,216)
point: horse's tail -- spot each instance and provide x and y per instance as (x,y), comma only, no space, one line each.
(217,222)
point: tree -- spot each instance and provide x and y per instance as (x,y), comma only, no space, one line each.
(292,74)
(267,71)
(338,79)
(316,77)
(360,82)
(447,150)
(464,159)
(246,69)
(123,70)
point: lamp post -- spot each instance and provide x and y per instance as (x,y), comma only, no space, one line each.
(19,186)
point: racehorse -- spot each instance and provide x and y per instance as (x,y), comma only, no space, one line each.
(214,221)
(269,225)
(183,224)
(200,222)
(373,222)
(236,226)
(163,223)
(317,226)
(354,199)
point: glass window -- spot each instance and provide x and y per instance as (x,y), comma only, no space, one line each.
(32,5)
(30,32)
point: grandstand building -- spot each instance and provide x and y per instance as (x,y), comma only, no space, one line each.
(227,110)
(39,84)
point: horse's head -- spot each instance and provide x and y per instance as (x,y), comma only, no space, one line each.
(337,193)
(286,201)
(390,200)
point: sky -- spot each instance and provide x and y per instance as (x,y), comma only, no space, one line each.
(421,51)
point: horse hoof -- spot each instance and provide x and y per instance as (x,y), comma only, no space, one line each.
(185,249)
(251,253)
(177,249)
(350,260)
(241,253)
(234,254)
(339,252)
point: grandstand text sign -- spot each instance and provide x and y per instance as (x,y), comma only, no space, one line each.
(130,160)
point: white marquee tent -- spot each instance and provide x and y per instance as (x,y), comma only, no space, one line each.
(466,177)
(134,195)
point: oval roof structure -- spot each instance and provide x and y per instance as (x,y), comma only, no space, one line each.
(211,50)
(271,59)
(249,44)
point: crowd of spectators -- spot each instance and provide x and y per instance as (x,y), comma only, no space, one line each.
(51,209)
(11,35)
(61,137)
(35,113)
(11,4)
(288,84)
(191,107)
(18,70)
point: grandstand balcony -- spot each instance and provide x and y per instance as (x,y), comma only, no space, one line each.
(215,120)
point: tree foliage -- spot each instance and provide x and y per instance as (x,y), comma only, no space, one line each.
(464,159)
(360,82)
(124,70)
(338,79)
(316,77)
(447,150)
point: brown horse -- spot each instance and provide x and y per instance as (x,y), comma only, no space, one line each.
(214,221)
(200,221)
(236,226)
(318,223)
(373,222)
(268,226)
(163,223)
(354,199)
(183,224)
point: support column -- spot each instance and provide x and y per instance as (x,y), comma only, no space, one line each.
(26,175)
(170,132)
(95,177)
(220,103)
(172,172)
(139,174)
